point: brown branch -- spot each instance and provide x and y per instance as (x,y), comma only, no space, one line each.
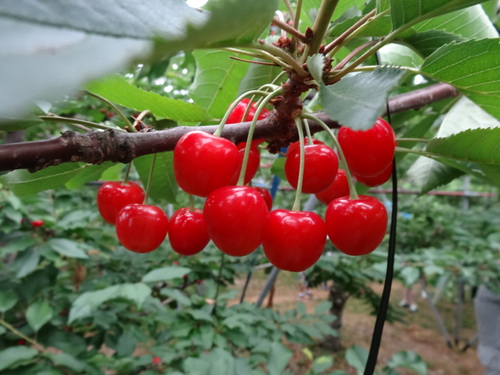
(99,146)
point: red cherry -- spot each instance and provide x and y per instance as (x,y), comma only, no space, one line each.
(37,223)
(236,217)
(368,152)
(204,162)
(339,188)
(156,361)
(356,226)
(22,342)
(294,240)
(253,161)
(236,115)
(376,180)
(188,231)
(141,228)
(112,196)
(266,195)
(320,168)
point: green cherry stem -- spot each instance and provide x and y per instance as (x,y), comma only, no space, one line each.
(308,132)
(112,105)
(127,173)
(150,178)
(259,109)
(219,129)
(352,185)
(191,203)
(300,180)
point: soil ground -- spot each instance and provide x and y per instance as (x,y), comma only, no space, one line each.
(419,331)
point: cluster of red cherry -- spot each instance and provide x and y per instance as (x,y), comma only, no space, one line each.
(239,218)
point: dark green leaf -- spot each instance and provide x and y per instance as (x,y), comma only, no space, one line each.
(217,80)
(8,299)
(68,248)
(429,174)
(429,41)
(163,184)
(278,168)
(119,91)
(19,244)
(165,273)
(15,355)
(27,262)
(23,183)
(90,173)
(410,12)
(177,295)
(38,314)
(258,75)
(67,360)
(358,100)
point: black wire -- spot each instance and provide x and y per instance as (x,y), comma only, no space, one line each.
(389,275)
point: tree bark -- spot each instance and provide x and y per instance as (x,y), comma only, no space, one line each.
(98,146)
(338,298)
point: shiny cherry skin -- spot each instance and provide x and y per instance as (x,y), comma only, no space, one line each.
(236,217)
(377,180)
(294,240)
(339,188)
(266,195)
(356,226)
(253,161)
(320,168)
(141,228)
(368,152)
(37,223)
(204,162)
(236,115)
(188,231)
(112,196)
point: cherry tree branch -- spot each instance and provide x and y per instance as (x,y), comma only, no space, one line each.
(99,146)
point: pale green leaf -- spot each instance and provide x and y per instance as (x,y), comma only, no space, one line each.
(399,55)
(119,91)
(322,307)
(279,356)
(67,360)
(16,355)
(258,75)
(357,356)
(469,23)
(165,273)
(38,314)
(23,183)
(217,80)
(163,183)
(18,244)
(358,100)
(7,300)
(67,248)
(88,302)
(404,12)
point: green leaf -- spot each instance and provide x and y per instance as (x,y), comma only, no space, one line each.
(474,145)
(217,80)
(27,262)
(399,55)
(163,184)
(322,307)
(429,174)
(86,303)
(429,41)
(405,12)
(410,275)
(279,356)
(472,67)
(19,244)
(278,168)
(23,183)
(177,295)
(410,360)
(67,360)
(89,173)
(68,248)
(8,299)
(38,314)
(321,364)
(357,356)
(119,91)
(358,100)
(165,273)
(258,75)
(469,23)
(381,27)
(15,356)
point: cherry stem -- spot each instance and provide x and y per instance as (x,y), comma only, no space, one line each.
(112,105)
(191,203)
(11,328)
(139,118)
(298,193)
(353,194)
(308,132)
(290,30)
(231,108)
(127,173)
(150,178)
(260,107)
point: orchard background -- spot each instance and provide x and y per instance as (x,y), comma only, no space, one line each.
(88,88)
